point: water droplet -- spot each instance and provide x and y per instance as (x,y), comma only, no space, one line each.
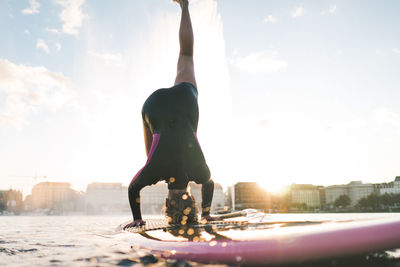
(212,243)
(187,211)
(190,231)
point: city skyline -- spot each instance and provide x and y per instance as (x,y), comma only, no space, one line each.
(58,198)
(225,188)
(295,92)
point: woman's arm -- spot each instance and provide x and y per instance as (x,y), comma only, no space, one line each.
(135,187)
(134,201)
(207,192)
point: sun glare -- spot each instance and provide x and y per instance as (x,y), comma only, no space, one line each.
(271,186)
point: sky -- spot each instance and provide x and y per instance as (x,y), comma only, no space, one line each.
(289,91)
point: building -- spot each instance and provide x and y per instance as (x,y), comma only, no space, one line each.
(378,187)
(333,192)
(11,201)
(306,194)
(355,190)
(358,190)
(152,198)
(218,201)
(391,188)
(250,195)
(3,200)
(51,196)
(106,198)
(229,195)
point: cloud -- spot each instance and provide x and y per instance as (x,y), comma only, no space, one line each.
(298,12)
(386,116)
(55,31)
(27,32)
(396,51)
(381,53)
(42,45)
(270,19)
(107,58)
(339,52)
(71,15)
(28,89)
(58,47)
(14,113)
(331,10)
(266,61)
(32,9)
(263,123)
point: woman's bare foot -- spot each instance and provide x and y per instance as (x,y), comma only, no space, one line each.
(182,2)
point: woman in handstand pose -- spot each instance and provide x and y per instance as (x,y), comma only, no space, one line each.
(170,118)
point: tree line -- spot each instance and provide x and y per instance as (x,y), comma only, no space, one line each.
(373,202)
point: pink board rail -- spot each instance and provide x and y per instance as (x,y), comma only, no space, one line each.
(284,245)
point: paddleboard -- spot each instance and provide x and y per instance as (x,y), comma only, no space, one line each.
(235,241)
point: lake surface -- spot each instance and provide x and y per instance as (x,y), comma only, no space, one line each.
(96,241)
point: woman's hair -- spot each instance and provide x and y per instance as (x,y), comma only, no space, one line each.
(181,209)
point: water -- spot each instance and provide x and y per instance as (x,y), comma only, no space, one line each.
(65,241)
(93,240)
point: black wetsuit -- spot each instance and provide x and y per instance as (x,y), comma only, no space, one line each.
(175,155)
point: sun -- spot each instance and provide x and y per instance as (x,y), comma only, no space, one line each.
(274,187)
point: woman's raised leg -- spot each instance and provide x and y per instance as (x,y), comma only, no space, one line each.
(185,70)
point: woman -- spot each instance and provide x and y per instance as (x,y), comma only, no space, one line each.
(170,118)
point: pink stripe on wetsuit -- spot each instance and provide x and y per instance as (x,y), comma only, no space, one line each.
(195,136)
(156,139)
